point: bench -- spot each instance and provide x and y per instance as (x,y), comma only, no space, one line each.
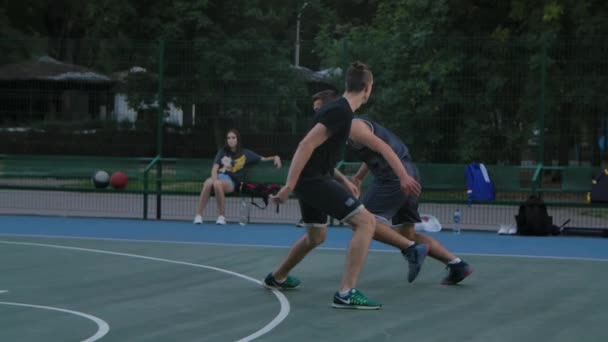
(442,177)
(510,181)
(48,172)
(267,173)
(264,173)
(186,177)
(572,178)
(444,184)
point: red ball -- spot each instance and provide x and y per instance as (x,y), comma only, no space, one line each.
(119,180)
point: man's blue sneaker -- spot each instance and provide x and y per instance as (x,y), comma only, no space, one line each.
(457,273)
(354,300)
(415,255)
(288,284)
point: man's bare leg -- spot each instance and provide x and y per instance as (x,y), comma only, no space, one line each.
(414,253)
(436,250)
(458,269)
(315,235)
(363,225)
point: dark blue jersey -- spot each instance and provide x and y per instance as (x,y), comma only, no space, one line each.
(376,164)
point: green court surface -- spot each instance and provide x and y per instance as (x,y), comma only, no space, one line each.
(154,291)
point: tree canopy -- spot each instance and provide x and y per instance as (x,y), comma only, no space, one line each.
(456,79)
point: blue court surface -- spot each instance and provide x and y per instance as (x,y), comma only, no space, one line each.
(80,279)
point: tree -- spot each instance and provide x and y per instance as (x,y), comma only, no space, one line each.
(460,79)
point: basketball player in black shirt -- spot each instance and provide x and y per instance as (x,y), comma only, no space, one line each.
(311,177)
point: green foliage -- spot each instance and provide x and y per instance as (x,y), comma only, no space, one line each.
(455,79)
(552,11)
(458,99)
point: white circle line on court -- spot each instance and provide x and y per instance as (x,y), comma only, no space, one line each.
(285,307)
(528,256)
(102,327)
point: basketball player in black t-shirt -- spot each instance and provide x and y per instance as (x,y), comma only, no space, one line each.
(311,177)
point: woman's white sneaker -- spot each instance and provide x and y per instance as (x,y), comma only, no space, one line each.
(221,220)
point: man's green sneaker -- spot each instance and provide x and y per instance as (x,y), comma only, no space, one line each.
(354,300)
(288,284)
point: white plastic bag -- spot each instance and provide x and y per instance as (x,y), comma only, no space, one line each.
(507,229)
(429,224)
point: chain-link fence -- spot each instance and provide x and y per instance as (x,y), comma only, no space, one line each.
(453,100)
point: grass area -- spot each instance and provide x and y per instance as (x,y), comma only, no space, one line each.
(173,185)
(138,185)
(508,197)
(596,212)
(182,183)
(79,184)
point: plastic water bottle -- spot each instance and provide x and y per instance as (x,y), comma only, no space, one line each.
(243,212)
(457,220)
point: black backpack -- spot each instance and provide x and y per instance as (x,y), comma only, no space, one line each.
(533,218)
(263,191)
(599,188)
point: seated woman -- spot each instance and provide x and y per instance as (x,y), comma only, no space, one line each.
(227,174)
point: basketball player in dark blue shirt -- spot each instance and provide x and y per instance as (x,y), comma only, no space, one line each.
(386,156)
(388,198)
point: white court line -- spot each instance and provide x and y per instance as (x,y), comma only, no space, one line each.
(285,307)
(102,327)
(3,291)
(526,256)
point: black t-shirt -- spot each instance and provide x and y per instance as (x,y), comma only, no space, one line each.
(336,116)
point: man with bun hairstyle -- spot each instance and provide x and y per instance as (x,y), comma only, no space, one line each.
(311,177)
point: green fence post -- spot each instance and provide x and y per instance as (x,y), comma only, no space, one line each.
(541,119)
(146,177)
(145,214)
(159,131)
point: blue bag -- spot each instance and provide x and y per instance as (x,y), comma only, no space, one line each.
(479,184)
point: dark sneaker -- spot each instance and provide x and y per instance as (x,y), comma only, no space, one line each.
(300,223)
(457,273)
(288,284)
(354,300)
(415,255)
